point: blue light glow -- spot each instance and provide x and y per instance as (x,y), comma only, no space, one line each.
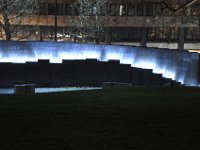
(178,65)
(50,90)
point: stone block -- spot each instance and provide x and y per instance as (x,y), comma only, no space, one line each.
(102,72)
(166,82)
(156,79)
(125,73)
(6,75)
(19,73)
(43,69)
(91,72)
(113,70)
(31,72)
(136,76)
(55,74)
(147,77)
(175,83)
(67,76)
(79,72)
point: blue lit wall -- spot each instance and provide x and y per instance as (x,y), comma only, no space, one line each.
(181,66)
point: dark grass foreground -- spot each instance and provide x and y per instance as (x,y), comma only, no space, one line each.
(117,119)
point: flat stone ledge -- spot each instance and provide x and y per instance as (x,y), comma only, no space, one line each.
(24,89)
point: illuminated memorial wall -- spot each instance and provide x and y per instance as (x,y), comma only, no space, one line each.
(181,66)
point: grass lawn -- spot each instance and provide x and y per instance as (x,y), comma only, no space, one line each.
(115,119)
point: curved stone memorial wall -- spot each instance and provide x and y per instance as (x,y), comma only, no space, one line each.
(181,66)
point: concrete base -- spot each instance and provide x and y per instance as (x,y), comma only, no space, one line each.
(114,85)
(24,89)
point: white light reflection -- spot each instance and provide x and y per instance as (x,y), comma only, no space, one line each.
(113,56)
(6,91)
(169,74)
(145,64)
(50,90)
(63,89)
(18,59)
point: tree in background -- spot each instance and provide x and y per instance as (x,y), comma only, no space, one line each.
(89,18)
(14,13)
(183,14)
(182,11)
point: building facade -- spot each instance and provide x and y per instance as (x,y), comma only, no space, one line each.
(150,23)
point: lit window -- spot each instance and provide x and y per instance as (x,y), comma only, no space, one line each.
(122,10)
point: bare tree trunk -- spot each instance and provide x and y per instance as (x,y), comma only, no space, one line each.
(181,38)
(144,38)
(107,35)
(97,36)
(6,28)
(13,13)
(8,34)
(41,33)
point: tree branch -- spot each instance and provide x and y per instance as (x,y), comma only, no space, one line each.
(167,6)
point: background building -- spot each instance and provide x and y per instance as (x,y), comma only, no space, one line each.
(151,23)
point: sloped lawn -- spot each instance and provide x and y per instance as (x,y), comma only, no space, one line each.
(115,119)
